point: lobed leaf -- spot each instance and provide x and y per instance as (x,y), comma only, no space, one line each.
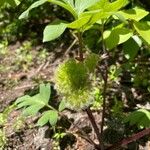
(50,116)
(33,104)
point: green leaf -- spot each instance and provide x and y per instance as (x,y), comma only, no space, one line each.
(32,110)
(120,17)
(134,14)
(2,2)
(130,49)
(48,116)
(81,5)
(34,5)
(13,3)
(67,4)
(95,16)
(33,104)
(116,36)
(116,5)
(52,32)
(79,23)
(140,117)
(106,6)
(62,105)
(45,92)
(143,29)
(71,2)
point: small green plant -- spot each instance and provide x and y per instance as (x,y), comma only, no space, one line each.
(24,56)
(33,104)
(3,139)
(139,118)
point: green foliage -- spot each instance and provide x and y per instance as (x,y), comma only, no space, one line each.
(34,5)
(140,118)
(50,116)
(12,3)
(143,29)
(3,139)
(4,115)
(117,36)
(131,47)
(134,14)
(91,62)
(33,104)
(52,32)
(82,19)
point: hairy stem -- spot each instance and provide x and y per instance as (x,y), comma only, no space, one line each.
(105,78)
(95,127)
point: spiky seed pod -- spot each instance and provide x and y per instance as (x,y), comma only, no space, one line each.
(71,76)
(72,81)
(91,61)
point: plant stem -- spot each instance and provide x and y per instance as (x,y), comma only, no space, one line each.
(80,55)
(89,113)
(95,127)
(105,78)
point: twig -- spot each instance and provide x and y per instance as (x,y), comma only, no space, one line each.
(95,127)
(70,47)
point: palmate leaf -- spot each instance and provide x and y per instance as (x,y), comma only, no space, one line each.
(140,117)
(50,116)
(33,104)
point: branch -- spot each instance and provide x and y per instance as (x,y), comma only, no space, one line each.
(128,140)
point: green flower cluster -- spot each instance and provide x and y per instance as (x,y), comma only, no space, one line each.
(72,80)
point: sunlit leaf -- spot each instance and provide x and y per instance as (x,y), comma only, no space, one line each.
(32,104)
(116,36)
(143,29)
(48,116)
(62,105)
(34,5)
(135,13)
(81,5)
(53,31)
(79,23)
